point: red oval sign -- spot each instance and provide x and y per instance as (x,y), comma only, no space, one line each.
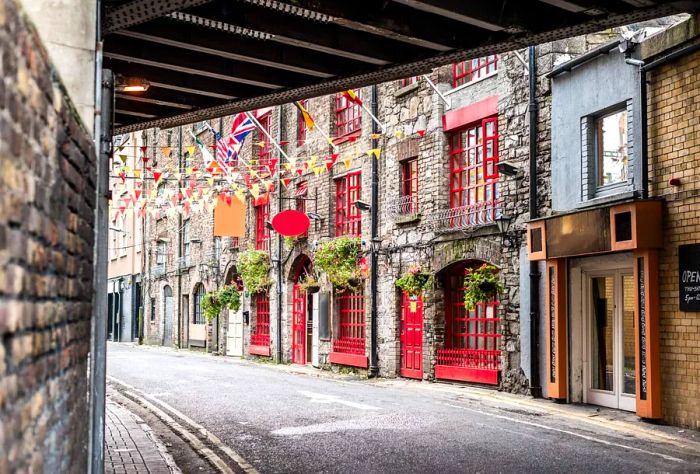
(290,223)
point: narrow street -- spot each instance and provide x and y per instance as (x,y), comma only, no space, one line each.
(274,419)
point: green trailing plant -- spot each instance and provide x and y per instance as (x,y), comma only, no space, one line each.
(481,285)
(254,268)
(230,297)
(309,283)
(414,281)
(290,241)
(226,297)
(339,260)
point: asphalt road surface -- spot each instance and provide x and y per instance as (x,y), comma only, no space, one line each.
(280,421)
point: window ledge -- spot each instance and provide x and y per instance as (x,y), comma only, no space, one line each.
(407,219)
(471,83)
(347,137)
(405,90)
(623,195)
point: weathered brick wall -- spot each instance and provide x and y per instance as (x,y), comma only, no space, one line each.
(47,200)
(674,145)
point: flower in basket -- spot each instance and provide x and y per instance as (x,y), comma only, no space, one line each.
(414,281)
(481,285)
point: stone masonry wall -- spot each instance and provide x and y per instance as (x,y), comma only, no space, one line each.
(47,201)
(674,145)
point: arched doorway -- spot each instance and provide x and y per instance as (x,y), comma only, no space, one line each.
(167,316)
(472,345)
(234,330)
(302,314)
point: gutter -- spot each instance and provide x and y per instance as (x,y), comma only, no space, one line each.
(583,59)
(374,243)
(179,255)
(280,124)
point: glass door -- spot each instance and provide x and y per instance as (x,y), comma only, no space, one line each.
(611,349)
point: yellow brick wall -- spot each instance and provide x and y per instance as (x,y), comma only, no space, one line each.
(674,152)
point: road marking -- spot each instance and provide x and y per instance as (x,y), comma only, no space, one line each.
(325,398)
(235,457)
(572,433)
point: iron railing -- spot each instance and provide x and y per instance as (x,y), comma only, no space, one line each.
(464,217)
(403,206)
(469,358)
(159,270)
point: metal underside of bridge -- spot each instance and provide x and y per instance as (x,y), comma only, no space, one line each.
(207,59)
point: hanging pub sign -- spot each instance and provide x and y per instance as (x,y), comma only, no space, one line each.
(689,277)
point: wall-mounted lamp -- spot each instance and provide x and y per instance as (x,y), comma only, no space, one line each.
(506,169)
(268,225)
(131,84)
(362,206)
(313,216)
(503,222)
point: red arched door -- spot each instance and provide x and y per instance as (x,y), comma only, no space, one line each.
(298,325)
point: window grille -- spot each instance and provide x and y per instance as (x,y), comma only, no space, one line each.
(198,315)
(473,69)
(261,332)
(409,187)
(348,115)
(300,195)
(264,143)
(348,218)
(351,328)
(474,193)
(262,233)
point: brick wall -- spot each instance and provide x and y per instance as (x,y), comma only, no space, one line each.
(674,146)
(47,201)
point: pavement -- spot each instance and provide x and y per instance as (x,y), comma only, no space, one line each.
(131,446)
(250,417)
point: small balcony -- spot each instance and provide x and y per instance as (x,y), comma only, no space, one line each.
(404,207)
(159,270)
(183,263)
(464,217)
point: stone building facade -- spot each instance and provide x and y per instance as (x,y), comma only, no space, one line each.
(47,203)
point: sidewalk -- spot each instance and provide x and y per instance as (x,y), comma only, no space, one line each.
(131,446)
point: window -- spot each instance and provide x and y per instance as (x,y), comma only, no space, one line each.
(217,249)
(122,234)
(161,258)
(113,244)
(301,125)
(300,194)
(262,233)
(407,81)
(265,147)
(186,242)
(261,334)
(348,218)
(198,315)
(350,338)
(153,309)
(611,151)
(348,115)
(474,193)
(138,237)
(473,69)
(409,187)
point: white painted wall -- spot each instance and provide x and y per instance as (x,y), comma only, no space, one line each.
(68,30)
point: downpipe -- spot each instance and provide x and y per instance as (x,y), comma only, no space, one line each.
(535,387)
(374,242)
(280,124)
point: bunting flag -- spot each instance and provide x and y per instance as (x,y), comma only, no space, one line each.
(308,120)
(166,150)
(347,162)
(352,96)
(190,150)
(156,176)
(374,152)
(421,133)
(123,158)
(286,181)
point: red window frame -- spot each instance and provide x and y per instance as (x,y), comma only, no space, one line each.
(348,115)
(261,335)
(409,186)
(301,125)
(348,218)
(351,323)
(474,190)
(472,337)
(262,233)
(300,194)
(407,81)
(266,149)
(464,72)
(298,324)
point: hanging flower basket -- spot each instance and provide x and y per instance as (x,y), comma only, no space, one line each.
(310,284)
(254,268)
(481,285)
(226,297)
(339,260)
(414,281)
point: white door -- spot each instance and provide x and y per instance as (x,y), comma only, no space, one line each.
(234,334)
(314,332)
(610,377)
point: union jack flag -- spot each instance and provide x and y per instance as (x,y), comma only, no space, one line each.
(240,129)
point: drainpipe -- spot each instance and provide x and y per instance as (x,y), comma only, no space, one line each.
(180,324)
(535,388)
(374,242)
(280,124)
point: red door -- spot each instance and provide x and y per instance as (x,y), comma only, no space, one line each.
(298,325)
(412,336)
